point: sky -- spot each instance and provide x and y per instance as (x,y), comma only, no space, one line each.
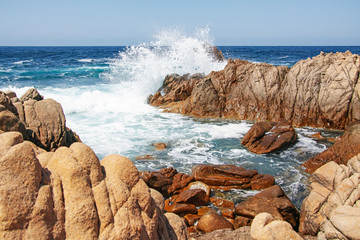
(231,22)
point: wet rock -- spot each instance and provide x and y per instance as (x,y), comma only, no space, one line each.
(266,137)
(197,197)
(191,219)
(241,221)
(320,92)
(222,203)
(331,209)
(265,227)
(340,152)
(199,185)
(317,136)
(31,94)
(213,221)
(180,209)
(272,200)
(160,146)
(145,157)
(167,181)
(205,210)
(230,176)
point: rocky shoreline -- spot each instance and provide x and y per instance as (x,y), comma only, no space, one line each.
(52,186)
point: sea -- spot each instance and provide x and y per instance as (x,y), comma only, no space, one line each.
(104,91)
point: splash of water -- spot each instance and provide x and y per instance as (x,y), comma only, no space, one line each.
(172,51)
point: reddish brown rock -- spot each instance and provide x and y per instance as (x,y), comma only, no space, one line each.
(320,92)
(340,152)
(266,137)
(180,209)
(145,157)
(160,146)
(167,181)
(191,219)
(272,200)
(221,202)
(218,176)
(241,221)
(213,221)
(197,197)
(228,213)
(317,136)
(205,210)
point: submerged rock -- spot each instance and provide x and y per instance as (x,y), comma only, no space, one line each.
(266,137)
(320,92)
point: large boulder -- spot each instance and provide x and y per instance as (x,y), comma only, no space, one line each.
(266,137)
(70,195)
(230,176)
(272,200)
(332,208)
(340,152)
(322,92)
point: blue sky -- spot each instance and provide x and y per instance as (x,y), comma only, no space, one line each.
(232,22)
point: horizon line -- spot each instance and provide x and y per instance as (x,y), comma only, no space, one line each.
(213,45)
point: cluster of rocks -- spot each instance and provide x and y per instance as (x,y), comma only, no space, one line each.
(42,121)
(67,193)
(189,196)
(320,92)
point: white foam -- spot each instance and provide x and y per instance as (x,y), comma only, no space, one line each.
(24,61)
(87,60)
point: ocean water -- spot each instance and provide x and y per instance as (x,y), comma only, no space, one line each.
(103,91)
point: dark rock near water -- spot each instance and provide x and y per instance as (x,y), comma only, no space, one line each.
(340,152)
(230,176)
(266,137)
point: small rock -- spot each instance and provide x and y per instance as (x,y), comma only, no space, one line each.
(160,146)
(145,157)
(191,219)
(197,197)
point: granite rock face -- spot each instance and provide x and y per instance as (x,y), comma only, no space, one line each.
(69,194)
(322,92)
(332,208)
(42,121)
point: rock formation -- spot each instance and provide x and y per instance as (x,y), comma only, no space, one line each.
(266,137)
(38,120)
(70,194)
(332,210)
(340,152)
(322,92)
(265,227)
(272,200)
(230,176)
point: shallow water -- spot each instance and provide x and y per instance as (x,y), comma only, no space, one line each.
(103,91)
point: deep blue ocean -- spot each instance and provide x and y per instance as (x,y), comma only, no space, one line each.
(103,91)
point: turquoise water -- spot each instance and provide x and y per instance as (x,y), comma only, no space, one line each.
(103,91)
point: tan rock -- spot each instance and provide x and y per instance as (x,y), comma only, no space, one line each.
(180,229)
(346,219)
(31,93)
(264,227)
